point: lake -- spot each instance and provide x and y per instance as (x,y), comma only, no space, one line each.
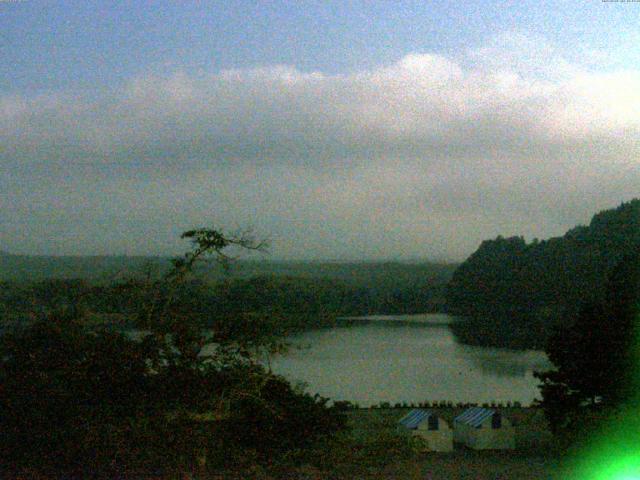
(407,358)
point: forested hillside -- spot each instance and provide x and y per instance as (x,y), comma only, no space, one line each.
(303,294)
(29,268)
(379,274)
(513,292)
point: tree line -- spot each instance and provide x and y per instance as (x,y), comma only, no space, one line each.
(299,302)
(515,292)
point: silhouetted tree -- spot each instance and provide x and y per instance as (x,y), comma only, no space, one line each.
(596,355)
(82,401)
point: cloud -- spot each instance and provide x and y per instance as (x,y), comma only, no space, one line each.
(426,156)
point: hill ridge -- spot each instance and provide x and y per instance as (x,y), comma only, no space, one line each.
(515,292)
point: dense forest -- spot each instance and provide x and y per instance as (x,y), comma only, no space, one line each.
(512,293)
(301,294)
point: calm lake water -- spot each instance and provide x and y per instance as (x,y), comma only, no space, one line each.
(410,358)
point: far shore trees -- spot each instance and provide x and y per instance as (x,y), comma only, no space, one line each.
(516,293)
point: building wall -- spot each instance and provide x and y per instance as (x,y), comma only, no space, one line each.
(486,438)
(436,440)
(440,440)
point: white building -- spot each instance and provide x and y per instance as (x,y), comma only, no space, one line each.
(433,430)
(482,429)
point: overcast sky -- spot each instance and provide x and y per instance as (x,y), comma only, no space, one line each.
(342,130)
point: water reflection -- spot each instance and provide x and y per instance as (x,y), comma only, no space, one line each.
(415,360)
(506,363)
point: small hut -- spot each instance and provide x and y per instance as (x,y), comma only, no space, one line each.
(435,432)
(484,429)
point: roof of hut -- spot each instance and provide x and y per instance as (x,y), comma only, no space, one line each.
(415,418)
(474,416)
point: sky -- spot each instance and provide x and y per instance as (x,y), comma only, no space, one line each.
(338,130)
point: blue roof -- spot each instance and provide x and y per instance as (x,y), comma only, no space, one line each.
(474,416)
(415,418)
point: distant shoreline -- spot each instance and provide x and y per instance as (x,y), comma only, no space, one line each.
(416,318)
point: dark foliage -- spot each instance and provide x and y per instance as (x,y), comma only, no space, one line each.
(596,354)
(66,393)
(282,419)
(513,294)
(80,399)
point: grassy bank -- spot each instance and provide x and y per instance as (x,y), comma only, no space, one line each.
(373,450)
